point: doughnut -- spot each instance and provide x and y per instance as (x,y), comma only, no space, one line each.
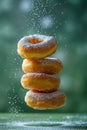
(46,65)
(40,81)
(41,101)
(36,46)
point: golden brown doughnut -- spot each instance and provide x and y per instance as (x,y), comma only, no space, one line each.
(40,81)
(51,100)
(47,65)
(36,46)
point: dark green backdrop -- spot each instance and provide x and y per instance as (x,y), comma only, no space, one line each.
(64,19)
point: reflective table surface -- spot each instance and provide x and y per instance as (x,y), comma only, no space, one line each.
(37,121)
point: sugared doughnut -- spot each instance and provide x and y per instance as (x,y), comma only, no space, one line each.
(36,46)
(42,101)
(40,81)
(46,65)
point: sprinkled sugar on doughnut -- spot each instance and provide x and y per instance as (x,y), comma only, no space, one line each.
(44,95)
(40,81)
(36,46)
(48,100)
(46,65)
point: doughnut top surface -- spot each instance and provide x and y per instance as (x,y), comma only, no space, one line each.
(44,95)
(34,40)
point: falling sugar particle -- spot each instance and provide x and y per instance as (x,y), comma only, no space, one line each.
(13,101)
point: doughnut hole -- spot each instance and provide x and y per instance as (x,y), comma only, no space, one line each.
(34,41)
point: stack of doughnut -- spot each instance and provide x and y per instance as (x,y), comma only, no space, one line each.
(40,72)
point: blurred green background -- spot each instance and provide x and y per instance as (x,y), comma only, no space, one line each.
(64,19)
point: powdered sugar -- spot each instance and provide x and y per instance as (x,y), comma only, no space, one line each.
(39,75)
(50,61)
(46,40)
(43,96)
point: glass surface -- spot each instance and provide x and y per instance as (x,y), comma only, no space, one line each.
(43,121)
